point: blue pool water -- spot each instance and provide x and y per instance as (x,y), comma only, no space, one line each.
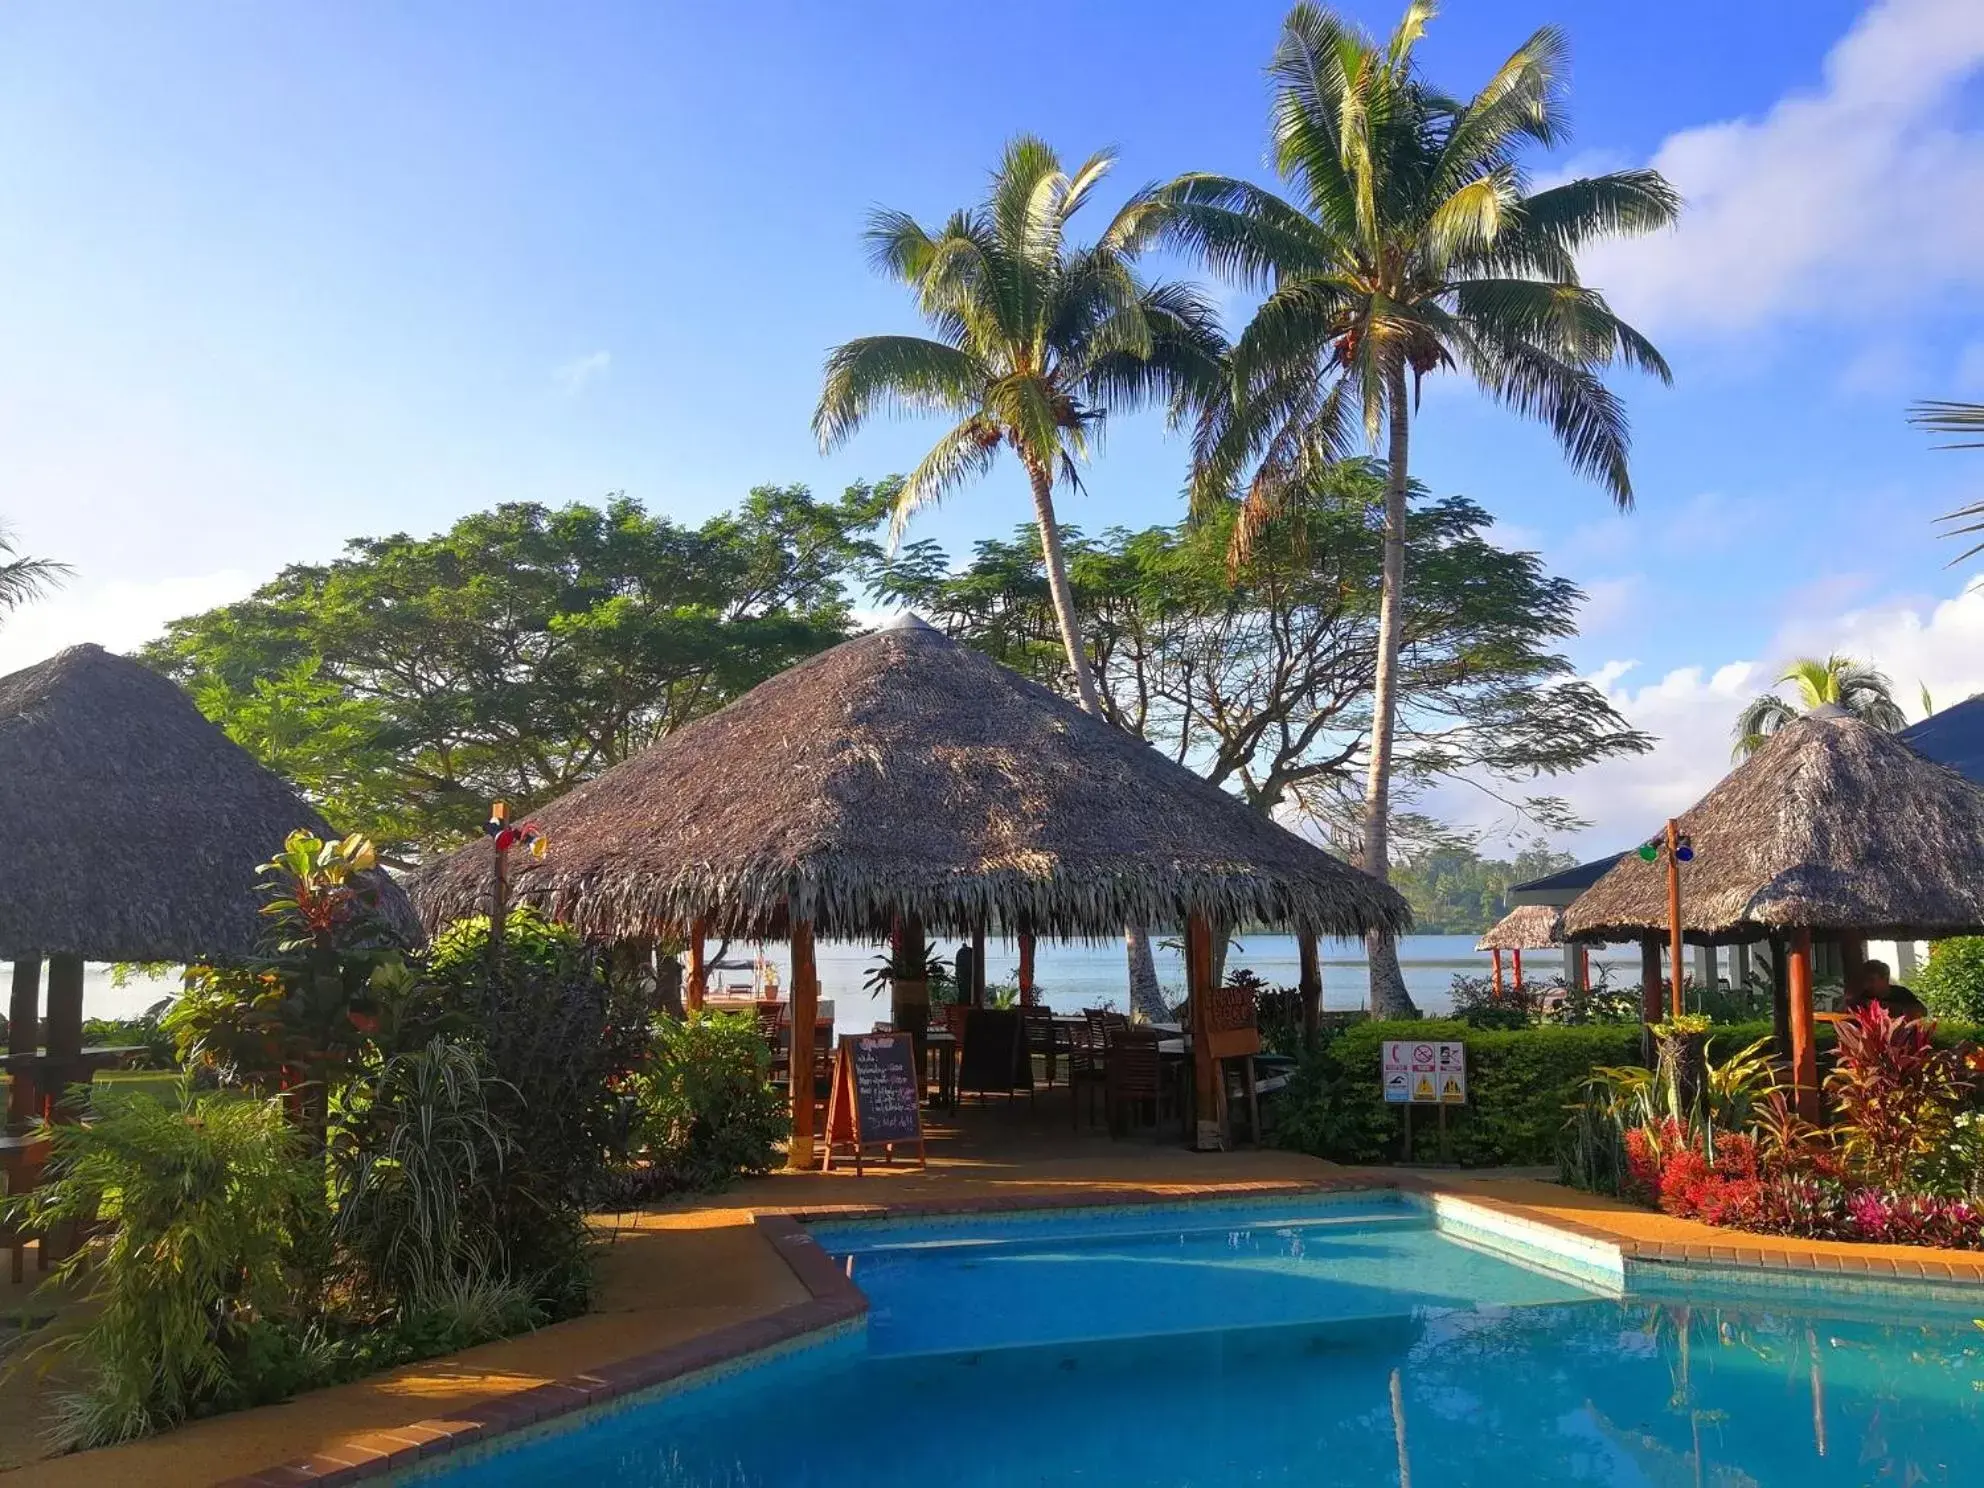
(1346,1342)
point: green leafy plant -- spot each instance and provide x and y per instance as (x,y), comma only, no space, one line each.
(706,1108)
(418,1155)
(1897,1094)
(212,1221)
(1952,984)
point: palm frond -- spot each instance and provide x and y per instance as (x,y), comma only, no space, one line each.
(1764,716)
(1317,109)
(1567,320)
(1521,103)
(23,579)
(1240,231)
(1585,415)
(965,451)
(900,373)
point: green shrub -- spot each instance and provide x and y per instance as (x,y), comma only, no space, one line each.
(214,1221)
(1952,984)
(1521,1085)
(706,1108)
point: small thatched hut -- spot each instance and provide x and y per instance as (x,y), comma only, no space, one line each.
(131,829)
(901,777)
(1527,927)
(1831,829)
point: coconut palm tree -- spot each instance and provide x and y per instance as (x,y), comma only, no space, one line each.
(23,579)
(1411,243)
(1861,689)
(1035,343)
(1959,419)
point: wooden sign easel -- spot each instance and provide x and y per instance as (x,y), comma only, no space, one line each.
(876,1101)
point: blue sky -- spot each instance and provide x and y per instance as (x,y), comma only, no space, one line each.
(282,275)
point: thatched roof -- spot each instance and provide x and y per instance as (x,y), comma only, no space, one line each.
(130,827)
(1832,826)
(901,773)
(1528,927)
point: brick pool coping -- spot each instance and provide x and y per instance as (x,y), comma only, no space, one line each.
(834,1301)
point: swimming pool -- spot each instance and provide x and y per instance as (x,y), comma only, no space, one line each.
(1343,1340)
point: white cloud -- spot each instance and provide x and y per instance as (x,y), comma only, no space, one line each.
(1851,199)
(119,615)
(575,376)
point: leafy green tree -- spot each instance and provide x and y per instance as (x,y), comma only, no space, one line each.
(23,579)
(1412,244)
(1259,674)
(1036,343)
(518,653)
(1454,890)
(1861,689)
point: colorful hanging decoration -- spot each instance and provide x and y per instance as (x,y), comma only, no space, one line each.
(524,834)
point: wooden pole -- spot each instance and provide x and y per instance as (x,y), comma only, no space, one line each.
(805,996)
(1674,919)
(1651,989)
(1026,967)
(699,973)
(1312,986)
(23,1037)
(499,886)
(1852,962)
(1205,1070)
(64,1031)
(1581,966)
(1497,953)
(1516,954)
(1804,1053)
(978,964)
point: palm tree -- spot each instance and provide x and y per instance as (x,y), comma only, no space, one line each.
(23,579)
(1036,342)
(1411,244)
(1959,419)
(1861,689)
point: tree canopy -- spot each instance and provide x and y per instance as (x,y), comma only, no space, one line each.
(411,681)
(1454,890)
(1260,675)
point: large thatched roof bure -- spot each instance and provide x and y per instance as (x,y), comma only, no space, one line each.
(132,829)
(903,774)
(1832,826)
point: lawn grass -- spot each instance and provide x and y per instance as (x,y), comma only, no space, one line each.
(157,1083)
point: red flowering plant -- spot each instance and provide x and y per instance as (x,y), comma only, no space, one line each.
(1898,1097)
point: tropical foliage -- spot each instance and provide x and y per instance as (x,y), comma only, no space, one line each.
(23,579)
(1411,243)
(410,682)
(1036,342)
(1966,421)
(705,1107)
(1860,689)
(1952,984)
(1259,675)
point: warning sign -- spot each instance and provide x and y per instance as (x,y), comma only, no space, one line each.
(1428,1072)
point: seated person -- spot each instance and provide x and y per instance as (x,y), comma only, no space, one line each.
(1875,986)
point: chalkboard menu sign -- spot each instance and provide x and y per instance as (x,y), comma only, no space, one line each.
(876,1100)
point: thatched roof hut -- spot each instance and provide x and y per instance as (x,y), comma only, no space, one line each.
(1528,927)
(131,828)
(1832,827)
(902,774)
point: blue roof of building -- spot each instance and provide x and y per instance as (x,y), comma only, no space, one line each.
(1953,737)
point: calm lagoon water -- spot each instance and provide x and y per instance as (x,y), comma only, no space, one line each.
(1072,976)
(1348,1344)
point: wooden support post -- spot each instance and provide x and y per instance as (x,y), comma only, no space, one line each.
(23,1035)
(63,1033)
(1804,1053)
(1311,986)
(1517,954)
(1652,990)
(1739,966)
(1496,952)
(805,996)
(1707,973)
(978,964)
(699,972)
(1674,920)
(1205,1069)
(1852,962)
(1580,976)
(1026,967)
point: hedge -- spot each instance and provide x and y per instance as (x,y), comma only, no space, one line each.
(1520,1085)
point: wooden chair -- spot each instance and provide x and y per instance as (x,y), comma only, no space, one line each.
(21,1162)
(1088,1070)
(1044,1038)
(1135,1078)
